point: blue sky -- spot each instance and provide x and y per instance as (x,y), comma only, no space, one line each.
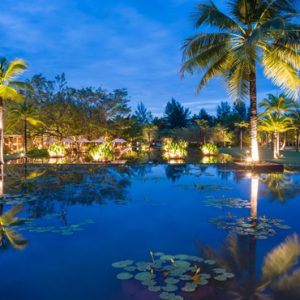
(133,44)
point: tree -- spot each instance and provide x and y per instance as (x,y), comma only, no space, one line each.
(203,125)
(239,107)
(203,115)
(254,32)
(278,106)
(275,124)
(143,115)
(177,115)
(241,125)
(223,110)
(25,113)
(9,89)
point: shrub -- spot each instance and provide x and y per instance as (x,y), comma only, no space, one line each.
(102,152)
(174,149)
(57,150)
(38,152)
(209,149)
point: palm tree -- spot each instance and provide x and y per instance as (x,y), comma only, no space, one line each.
(275,124)
(296,126)
(254,32)
(278,105)
(9,89)
(203,125)
(26,113)
(241,125)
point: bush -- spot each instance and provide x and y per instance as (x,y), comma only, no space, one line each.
(102,152)
(209,149)
(38,152)
(57,150)
(174,149)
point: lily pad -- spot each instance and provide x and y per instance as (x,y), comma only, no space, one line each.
(122,263)
(124,276)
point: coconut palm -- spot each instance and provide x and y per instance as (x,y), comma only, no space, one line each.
(279,105)
(275,124)
(241,125)
(9,89)
(254,32)
(296,125)
(27,114)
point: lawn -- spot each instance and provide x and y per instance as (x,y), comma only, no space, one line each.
(289,156)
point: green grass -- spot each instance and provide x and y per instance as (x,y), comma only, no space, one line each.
(288,156)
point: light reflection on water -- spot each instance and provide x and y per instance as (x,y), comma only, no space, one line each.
(80,219)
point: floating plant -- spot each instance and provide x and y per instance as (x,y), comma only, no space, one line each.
(228,202)
(30,226)
(172,274)
(259,227)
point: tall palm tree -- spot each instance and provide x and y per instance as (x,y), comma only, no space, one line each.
(27,114)
(9,89)
(256,31)
(241,125)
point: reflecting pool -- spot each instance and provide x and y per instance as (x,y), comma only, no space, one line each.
(148,231)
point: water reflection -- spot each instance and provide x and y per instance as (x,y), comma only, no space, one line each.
(279,278)
(8,236)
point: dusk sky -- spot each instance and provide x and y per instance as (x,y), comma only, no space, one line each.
(133,44)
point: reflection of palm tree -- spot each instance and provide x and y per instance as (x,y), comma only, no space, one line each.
(278,275)
(7,220)
(174,172)
(280,186)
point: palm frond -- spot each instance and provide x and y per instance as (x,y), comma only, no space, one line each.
(281,72)
(209,14)
(281,259)
(15,239)
(8,218)
(14,68)
(9,93)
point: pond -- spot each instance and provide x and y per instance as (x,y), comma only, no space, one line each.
(148,231)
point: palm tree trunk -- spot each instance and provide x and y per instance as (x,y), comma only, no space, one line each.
(253,116)
(25,137)
(297,140)
(284,141)
(278,145)
(241,139)
(1,133)
(274,145)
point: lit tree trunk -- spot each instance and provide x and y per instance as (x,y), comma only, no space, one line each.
(278,144)
(275,145)
(297,140)
(253,116)
(1,132)
(284,142)
(25,137)
(241,138)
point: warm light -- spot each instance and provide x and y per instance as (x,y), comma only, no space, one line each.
(254,151)
(254,194)
(249,175)
(248,159)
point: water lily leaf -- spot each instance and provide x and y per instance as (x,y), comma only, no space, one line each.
(143,276)
(171,280)
(124,276)
(122,264)
(189,287)
(210,261)
(220,277)
(154,288)
(170,288)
